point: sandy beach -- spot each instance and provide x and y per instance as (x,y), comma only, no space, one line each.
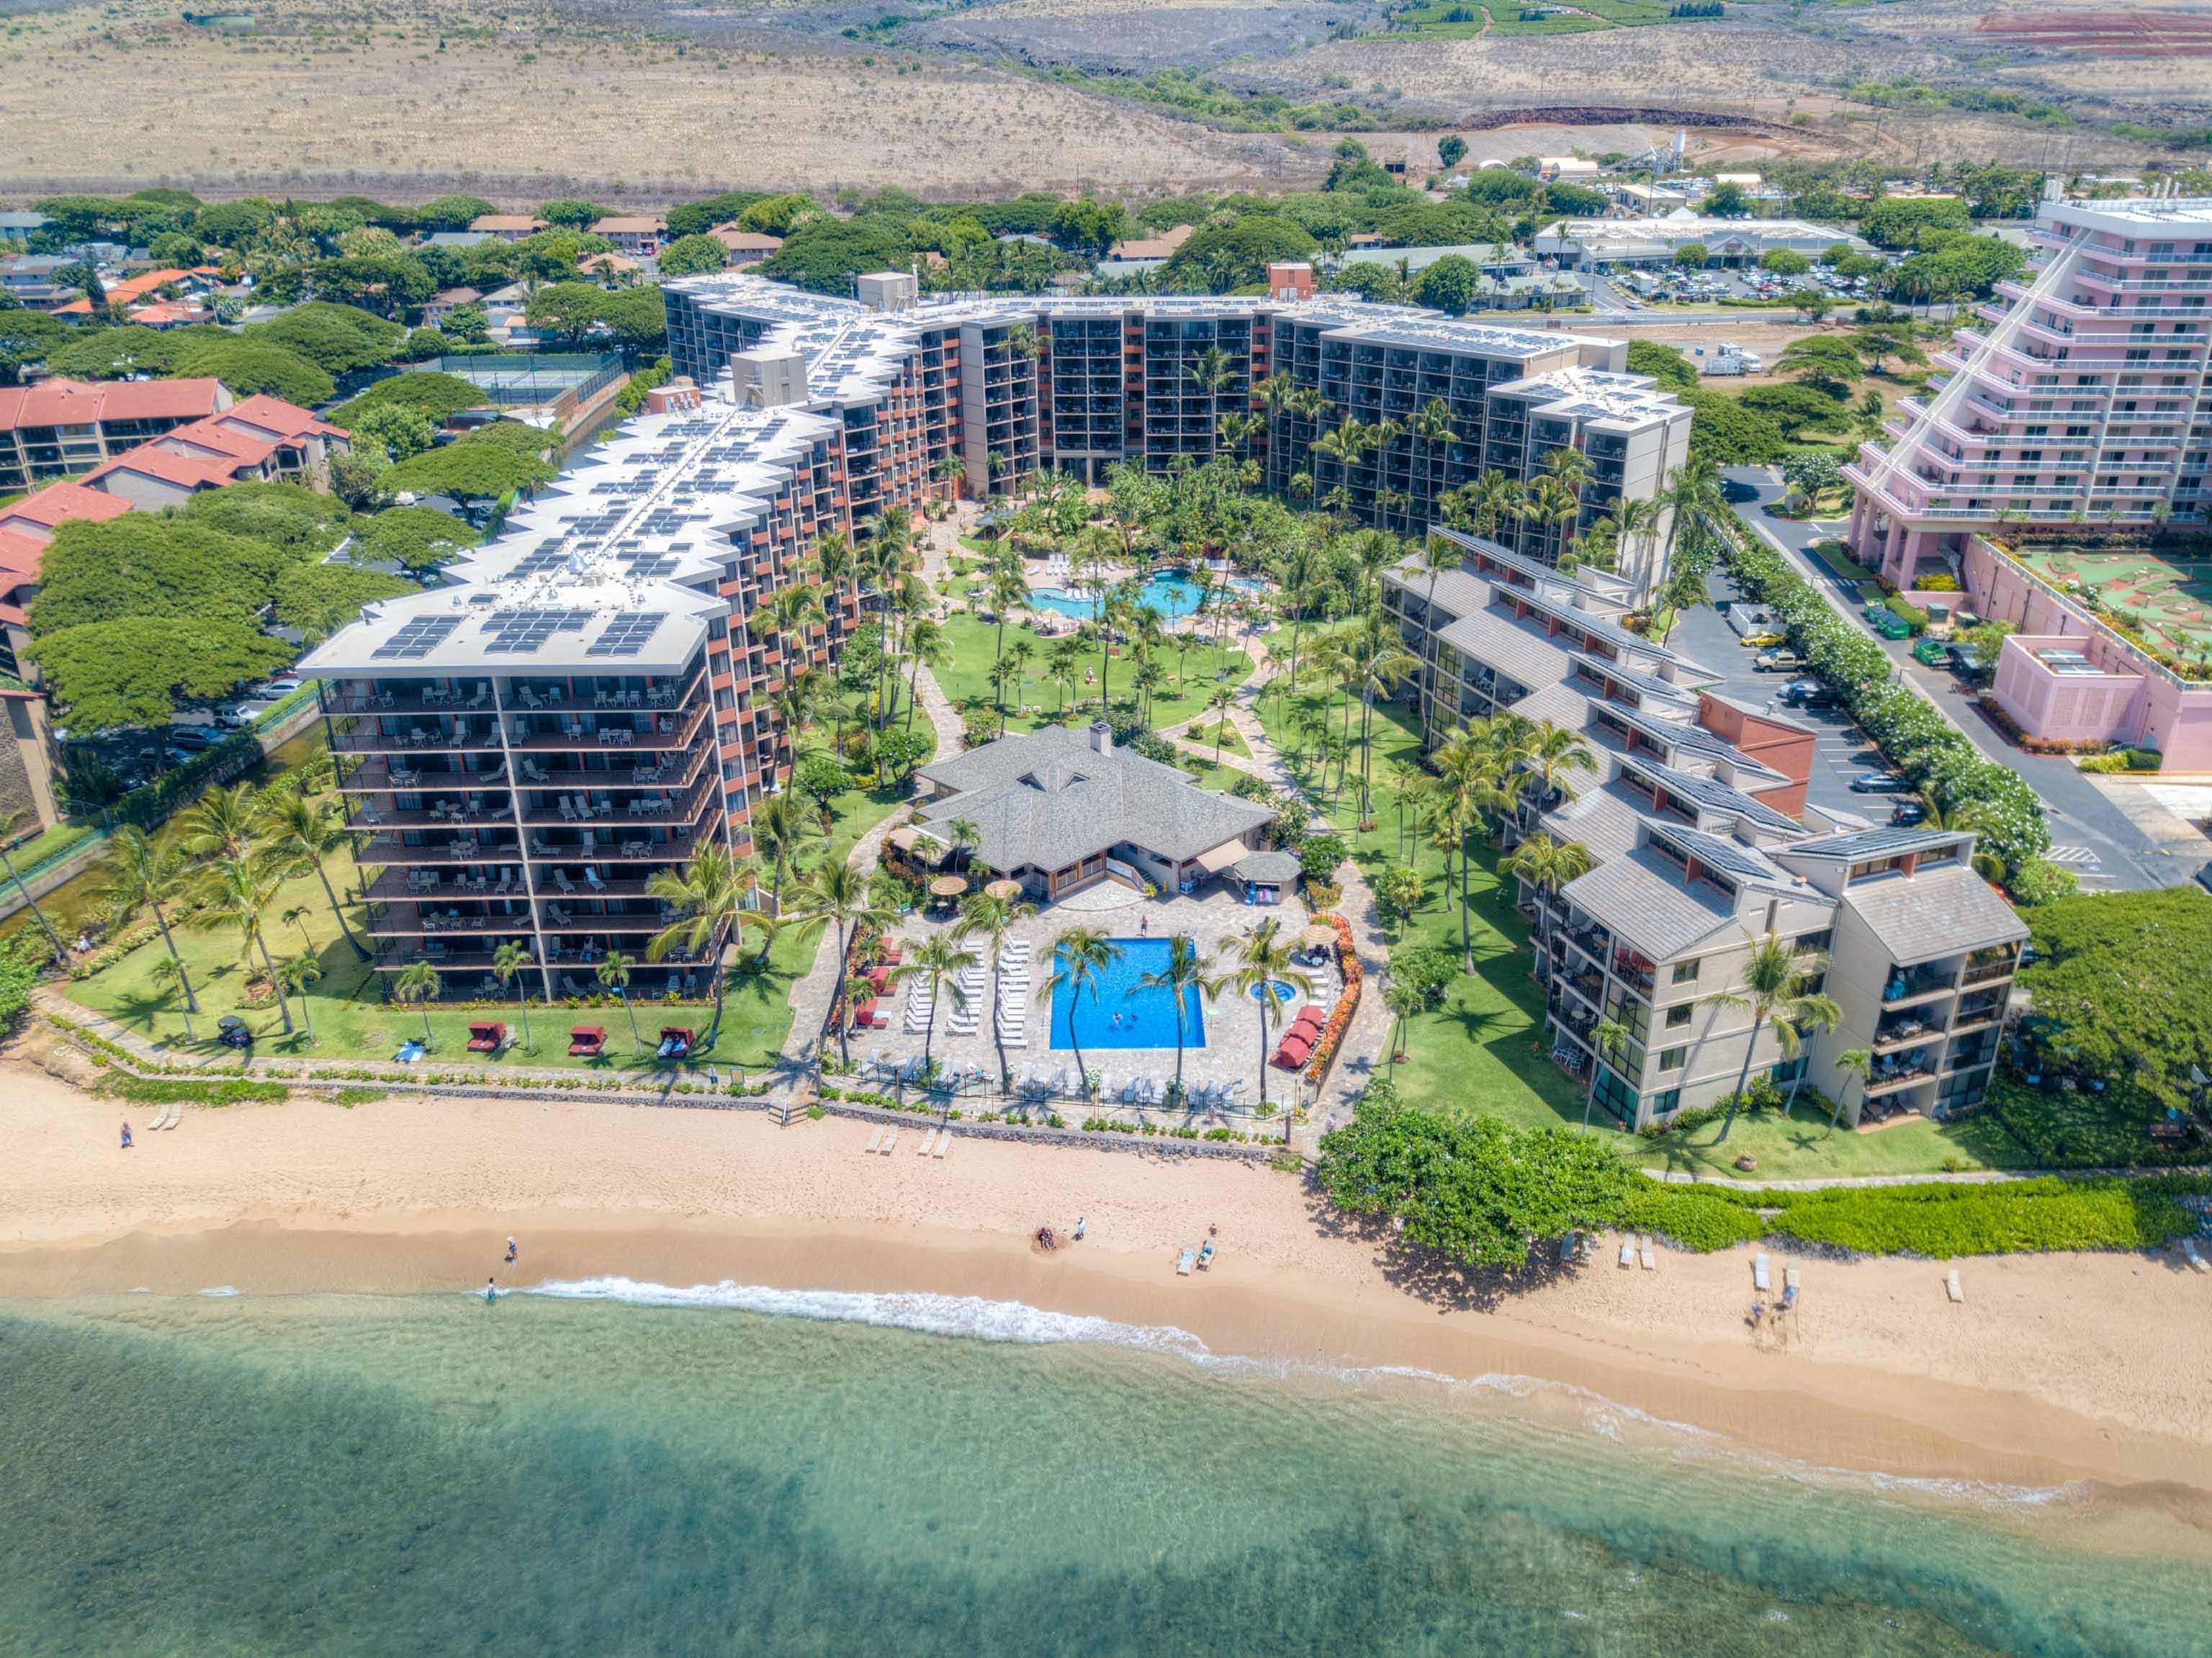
(2057,1368)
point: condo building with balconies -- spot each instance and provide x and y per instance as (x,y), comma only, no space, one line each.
(2079,397)
(1702,843)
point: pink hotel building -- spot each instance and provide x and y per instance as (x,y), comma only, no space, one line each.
(2082,398)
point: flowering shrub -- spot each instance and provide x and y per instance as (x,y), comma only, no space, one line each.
(1339,1017)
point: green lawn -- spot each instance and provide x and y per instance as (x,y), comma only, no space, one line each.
(1486,1050)
(972,643)
(52,843)
(1219,737)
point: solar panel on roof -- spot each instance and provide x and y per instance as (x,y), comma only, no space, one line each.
(626,634)
(418,637)
(521,632)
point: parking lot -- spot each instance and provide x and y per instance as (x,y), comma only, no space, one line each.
(1841,751)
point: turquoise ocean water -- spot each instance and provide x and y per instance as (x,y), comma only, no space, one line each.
(616,1469)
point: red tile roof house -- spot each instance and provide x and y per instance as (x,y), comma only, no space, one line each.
(507,226)
(261,439)
(62,427)
(145,286)
(638,236)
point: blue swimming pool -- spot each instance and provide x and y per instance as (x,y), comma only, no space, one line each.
(1171,592)
(1119,1011)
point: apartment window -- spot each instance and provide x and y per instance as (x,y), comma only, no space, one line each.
(1615,1095)
(1679,1016)
(1670,1059)
(1685,973)
(1666,1099)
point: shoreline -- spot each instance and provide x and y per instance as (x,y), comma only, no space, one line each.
(2059,1370)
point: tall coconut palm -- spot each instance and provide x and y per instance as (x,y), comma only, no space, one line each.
(783,832)
(1552,506)
(234,889)
(1007,590)
(1609,1038)
(1692,491)
(1376,662)
(140,872)
(168,971)
(1851,1060)
(417,985)
(613,972)
(713,892)
(838,565)
(53,940)
(295,974)
(1547,865)
(1079,956)
(941,960)
(1184,977)
(509,965)
(1263,959)
(1431,425)
(993,919)
(1404,998)
(836,893)
(927,646)
(1550,754)
(299,832)
(224,822)
(1773,991)
(1212,373)
(1466,781)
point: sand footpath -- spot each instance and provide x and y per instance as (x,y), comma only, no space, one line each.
(2058,1368)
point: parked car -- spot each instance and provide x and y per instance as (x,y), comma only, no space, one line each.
(1809,694)
(1766,638)
(1778,661)
(1909,814)
(193,738)
(1880,782)
(283,685)
(234,718)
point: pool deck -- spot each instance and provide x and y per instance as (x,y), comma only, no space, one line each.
(1231,1049)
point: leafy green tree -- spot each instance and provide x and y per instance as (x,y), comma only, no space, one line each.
(1452,150)
(250,366)
(417,538)
(2122,990)
(394,427)
(1219,258)
(692,217)
(468,471)
(826,254)
(452,212)
(566,309)
(318,599)
(1451,285)
(1692,255)
(1784,262)
(290,517)
(690,256)
(1728,200)
(438,396)
(1476,1191)
(130,673)
(571,214)
(336,339)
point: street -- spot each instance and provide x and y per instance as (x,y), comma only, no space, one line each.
(2102,845)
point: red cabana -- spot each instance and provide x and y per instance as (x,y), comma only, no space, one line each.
(1293,1052)
(675,1042)
(588,1041)
(486,1037)
(1310,1014)
(867,1017)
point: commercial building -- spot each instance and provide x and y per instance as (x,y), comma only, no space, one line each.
(1703,845)
(1617,244)
(992,388)
(60,428)
(2078,398)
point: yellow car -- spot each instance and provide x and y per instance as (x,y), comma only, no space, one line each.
(1766,639)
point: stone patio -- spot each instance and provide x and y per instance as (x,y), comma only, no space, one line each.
(1231,1049)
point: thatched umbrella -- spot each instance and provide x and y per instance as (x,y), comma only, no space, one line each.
(1005,889)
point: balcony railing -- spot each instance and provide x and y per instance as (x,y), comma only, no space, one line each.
(1888,1078)
(1918,985)
(1990,972)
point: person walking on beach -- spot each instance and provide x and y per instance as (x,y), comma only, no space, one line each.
(510,1251)
(126,1137)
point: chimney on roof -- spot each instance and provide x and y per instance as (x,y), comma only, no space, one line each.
(1102,736)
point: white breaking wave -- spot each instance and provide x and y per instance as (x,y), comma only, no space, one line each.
(221,1291)
(931,1315)
(978,1319)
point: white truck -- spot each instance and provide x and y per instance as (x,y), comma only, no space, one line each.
(1731,359)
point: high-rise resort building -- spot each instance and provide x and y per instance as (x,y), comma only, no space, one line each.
(588,698)
(2079,398)
(1701,843)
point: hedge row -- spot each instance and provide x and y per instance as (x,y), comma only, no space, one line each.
(1918,740)
(1938,1219)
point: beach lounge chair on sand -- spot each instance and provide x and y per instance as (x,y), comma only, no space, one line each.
(876,1139)
(1628,1250)
(2188,1245)
(1951,1286)
(891,1142)
(944,1144)
(1644,1254)
(1761,1279)
(928,1140)
(1187,1264)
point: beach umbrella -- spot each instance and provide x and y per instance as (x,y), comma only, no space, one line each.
(1005,889)
(1318,933)
(948,887)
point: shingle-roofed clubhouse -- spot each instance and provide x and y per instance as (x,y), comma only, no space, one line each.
(1058,810)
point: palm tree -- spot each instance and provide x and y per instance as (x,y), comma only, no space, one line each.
(1079,956)
(1211,373)
(1850,1060)
(1185,976)
(1694,490)
(613,972)
(136,872)
(234,890)
(1431,424)
(1263,960)
(941,960)
(224,821)
(418,983)
(1061,663)
(507,965)
(170,970)
(835,563)
(951,467)
(994,918)
(1610,1039)
(1547,865)
(1219,705)
(713,891)
(61,955)
(1404,998)
(1550,502)
(926,648)
(1549,753)
(1375,663)
(836,893)
(782,832)
(1005,589)
(1774,979)
(1022,653)
(1465,780)
(299,833)
(295,974)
